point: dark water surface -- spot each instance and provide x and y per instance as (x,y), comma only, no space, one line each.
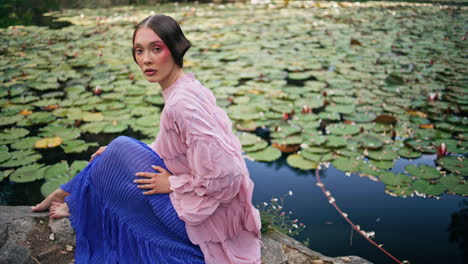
(414,229)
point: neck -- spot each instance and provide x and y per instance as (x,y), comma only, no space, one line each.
(173,76)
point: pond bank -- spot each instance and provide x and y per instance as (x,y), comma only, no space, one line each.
(30,238)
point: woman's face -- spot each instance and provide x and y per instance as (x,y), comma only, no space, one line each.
(152,55)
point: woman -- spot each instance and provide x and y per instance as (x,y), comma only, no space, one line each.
(196,209)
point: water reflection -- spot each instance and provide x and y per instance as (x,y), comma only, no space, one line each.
(458,229)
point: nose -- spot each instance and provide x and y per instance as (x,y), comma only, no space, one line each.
(147,58)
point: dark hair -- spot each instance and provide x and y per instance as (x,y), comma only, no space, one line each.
(170,32)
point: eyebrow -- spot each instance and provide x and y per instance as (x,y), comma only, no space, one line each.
(151,43)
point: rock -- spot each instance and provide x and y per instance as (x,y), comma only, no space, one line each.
(63,230)
(25,236)
(47,252)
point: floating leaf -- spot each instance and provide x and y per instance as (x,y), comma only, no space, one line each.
(28,173)
(409,153)
(386,153)
(48,142)
(268,154)
(423,171)
(429,188)
(455,184)
(248,139)
(393,179)
(297,161)
(347,164)
(402,191)
(456,164)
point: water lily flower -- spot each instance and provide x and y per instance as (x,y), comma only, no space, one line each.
(442,149)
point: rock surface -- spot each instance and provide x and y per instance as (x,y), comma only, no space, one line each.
(31,238)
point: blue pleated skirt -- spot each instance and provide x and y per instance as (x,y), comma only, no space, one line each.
(115,222)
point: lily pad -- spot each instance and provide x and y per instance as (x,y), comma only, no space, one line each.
(422,171)
(347,164)
(429,188)
(268,154)
(455,184)
(297,161)
(402,191)
(409,153)
(385,153)
(393,179)
(28,173)
(456,164)
(48,142)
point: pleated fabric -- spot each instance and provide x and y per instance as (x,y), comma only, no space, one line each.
(115,222)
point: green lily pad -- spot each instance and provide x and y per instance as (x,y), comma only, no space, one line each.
(455,164)
(4,155)
(424,146)
(409,153)
(55,170)
(455,183)
(77,146)
(369,141)
(343,129)
(92,117)
(268,154)
(117,128)
(291,140)
(262,144)
(299,162)
(285,131)
(423,171)
(393,179)
(426,187)
(347,164)
(9,120)
(13,133)
(335,141)
(248,139)
(28,173)
(21,158)
(382,164)
(401,191)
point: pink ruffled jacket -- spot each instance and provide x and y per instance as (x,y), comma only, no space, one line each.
(212,190)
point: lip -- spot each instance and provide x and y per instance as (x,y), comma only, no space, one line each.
(150,72)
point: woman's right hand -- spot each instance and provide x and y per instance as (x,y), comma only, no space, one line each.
(98,152)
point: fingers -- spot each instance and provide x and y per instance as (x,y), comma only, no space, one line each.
(147,186)
(143,181)
(146,174)
(158,168)
(98,152)
(150,192)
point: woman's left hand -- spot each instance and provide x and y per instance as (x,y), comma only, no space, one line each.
(156,182)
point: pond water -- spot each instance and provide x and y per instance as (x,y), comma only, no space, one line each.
(369,83)
(414,228)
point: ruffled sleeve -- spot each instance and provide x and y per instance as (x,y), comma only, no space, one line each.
(215,171)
